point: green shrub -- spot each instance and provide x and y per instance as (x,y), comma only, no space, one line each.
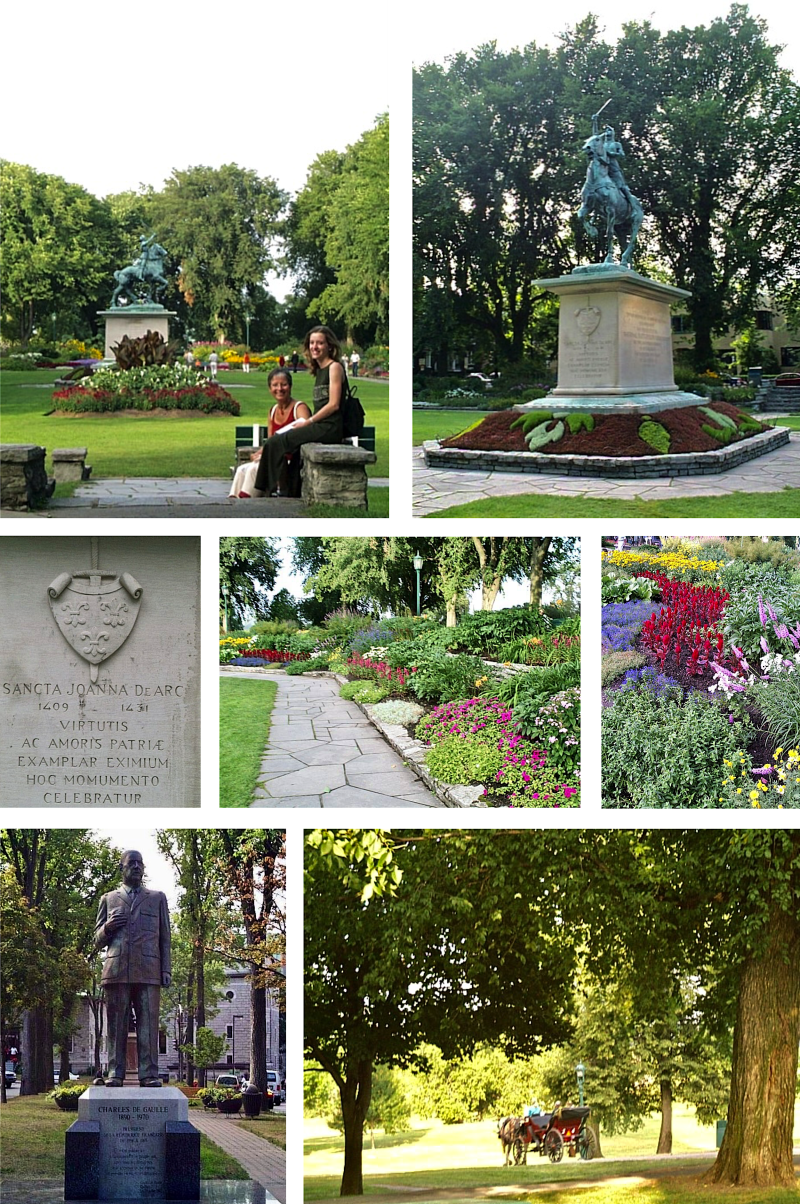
(658,752)
(463,761)
(655,435)
(540,436)
(363,691)
(556,728)
(615,664)
(742,623)
(316,664)
(721,434)
(623,589)
(779,703)
(531,419)
(487,631)
(442,678)
(526,692)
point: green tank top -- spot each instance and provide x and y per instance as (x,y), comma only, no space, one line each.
(322,388)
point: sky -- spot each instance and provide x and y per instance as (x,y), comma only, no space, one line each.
(111,97)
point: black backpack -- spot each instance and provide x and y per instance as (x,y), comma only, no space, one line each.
(352,412)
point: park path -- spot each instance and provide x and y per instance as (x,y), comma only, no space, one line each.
(264,1162)
(438,488)
(322,751)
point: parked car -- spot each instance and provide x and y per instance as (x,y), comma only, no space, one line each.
(274,1085)
(10,1077)
(228,1080)
(485,380)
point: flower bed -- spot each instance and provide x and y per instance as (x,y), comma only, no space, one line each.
(710,716)
(202,398)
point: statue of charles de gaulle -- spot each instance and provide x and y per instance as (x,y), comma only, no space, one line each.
(133,925)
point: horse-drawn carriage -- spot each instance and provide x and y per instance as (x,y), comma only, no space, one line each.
(548,1133)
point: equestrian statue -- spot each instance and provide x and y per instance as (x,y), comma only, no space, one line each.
(147,271)
(608,207)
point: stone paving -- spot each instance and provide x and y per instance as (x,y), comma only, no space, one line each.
(266,1163)
(323,752)
(438,488)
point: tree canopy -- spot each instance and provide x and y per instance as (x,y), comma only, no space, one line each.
(707,117)
(482,938)
(245,563)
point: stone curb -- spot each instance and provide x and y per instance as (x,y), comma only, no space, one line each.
(412,752)
(624,467)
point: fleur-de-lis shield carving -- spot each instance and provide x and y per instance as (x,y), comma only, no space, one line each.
(95,611)
(588,319)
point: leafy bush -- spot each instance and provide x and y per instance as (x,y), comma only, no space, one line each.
(486,631)
(363,691)
(533,689)
(779,703)
(438,677)
(397,710)
(316,664)
(753,550)
(655,435)
(343,624)
(267,629)
(626,589)
(557,729)
(661,753)
(742,623)
(464,761)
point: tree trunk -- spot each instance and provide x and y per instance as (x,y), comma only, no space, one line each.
(37,1051)
(594,1125)
(258,1031)
(355,1095)
(190,1029)
(451,613)
(665,1136)
(63,1065)
(536,569)
(757,1146)
(200,989)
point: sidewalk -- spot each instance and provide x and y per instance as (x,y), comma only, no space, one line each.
(167,497)
(439,488)
(265,1162)
(323,752)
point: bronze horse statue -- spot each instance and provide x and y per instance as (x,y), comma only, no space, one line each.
(147,270)
(606,197)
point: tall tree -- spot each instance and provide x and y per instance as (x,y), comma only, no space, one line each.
(61,874)
(251,865)
(220,224)
(713,119)
(245,563)
(357,244)
(57,247)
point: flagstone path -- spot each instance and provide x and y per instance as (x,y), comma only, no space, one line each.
(323,752)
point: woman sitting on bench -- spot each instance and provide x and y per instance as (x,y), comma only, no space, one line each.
(284,413)
(324,425)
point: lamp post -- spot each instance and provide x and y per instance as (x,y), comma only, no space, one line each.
(247,321)
(233,1030)
(580,1071)
(418,562)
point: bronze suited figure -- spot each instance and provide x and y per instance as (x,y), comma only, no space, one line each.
(133,925)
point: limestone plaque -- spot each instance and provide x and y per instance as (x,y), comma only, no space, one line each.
(99,672)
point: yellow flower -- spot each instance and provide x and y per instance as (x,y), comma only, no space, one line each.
(753,794)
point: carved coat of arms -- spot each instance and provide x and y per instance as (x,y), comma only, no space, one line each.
(95,611)
(587,319)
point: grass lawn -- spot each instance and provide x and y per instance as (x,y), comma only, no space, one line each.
(432,1156)
(440,424)
(33,1143)
(377,497)
(785,504)
(177,445)
(269,1125)
(244,715)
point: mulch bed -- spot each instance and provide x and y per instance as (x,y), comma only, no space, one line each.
(613,435)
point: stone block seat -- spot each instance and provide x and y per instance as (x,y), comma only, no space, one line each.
(24,483)
(69,464)
(335,474)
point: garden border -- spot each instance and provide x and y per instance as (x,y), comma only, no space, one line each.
(623,467)
(412,751)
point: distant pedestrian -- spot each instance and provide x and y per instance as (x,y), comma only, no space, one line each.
(189,358)
(213,360)
(246,362)
(281,361)
(295,361)
(355,360)
(346,362)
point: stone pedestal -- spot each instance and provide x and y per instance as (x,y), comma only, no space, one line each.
(132,1144)
(69,464)
(24,484)
(134,321)
(614,343)
(335,474)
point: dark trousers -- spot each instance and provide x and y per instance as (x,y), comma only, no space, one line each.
(275,450)
(145,1000)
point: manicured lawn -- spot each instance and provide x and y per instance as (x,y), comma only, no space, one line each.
(33,1143)
(433,1156)
(441,424)
(269,1125)
(785,504)
(181,444)
(244,716)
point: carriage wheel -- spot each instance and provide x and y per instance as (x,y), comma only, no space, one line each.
(518,1151)
(587,1144)
(554,1145)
